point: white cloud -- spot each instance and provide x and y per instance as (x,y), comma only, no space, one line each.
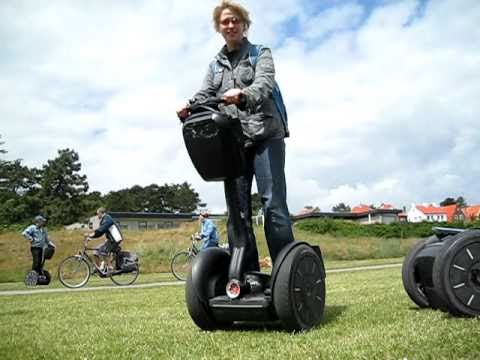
(382,109)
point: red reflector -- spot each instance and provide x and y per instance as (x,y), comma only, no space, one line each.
(233,289)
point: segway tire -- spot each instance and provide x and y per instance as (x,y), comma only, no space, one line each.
(31,278)
(299,290)
(44,278)
(410,278)
(198,310)
(456,274)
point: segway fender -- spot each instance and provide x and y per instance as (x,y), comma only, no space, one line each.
(209,265)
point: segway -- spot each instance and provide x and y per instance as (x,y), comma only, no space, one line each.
(219,292)
(33,278)
(443,271)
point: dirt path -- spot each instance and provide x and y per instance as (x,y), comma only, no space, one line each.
(166,283)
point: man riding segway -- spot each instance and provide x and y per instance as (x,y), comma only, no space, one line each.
(41,248)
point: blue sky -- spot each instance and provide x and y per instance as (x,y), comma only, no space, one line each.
(382,95)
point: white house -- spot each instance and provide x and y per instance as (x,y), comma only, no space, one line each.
(426,212)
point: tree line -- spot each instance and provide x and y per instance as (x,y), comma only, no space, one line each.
(60,192)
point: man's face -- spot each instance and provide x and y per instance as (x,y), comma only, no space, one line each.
(231,26)
(99,215)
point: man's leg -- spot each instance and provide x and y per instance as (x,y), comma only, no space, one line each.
(100,253)
(37,259)
(269,166)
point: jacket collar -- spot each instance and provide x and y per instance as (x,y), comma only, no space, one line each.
(222,58)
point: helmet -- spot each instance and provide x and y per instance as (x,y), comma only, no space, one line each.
(40,219)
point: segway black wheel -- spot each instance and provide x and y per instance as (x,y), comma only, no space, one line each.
(410,277)
(198,310)
(31,278)
(44,278)
(456,274)
(299,290)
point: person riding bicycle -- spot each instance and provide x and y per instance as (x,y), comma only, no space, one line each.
(114,237)
(38,236)
(208,233)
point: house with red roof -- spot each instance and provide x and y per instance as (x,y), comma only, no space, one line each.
(434,213)
(471,213)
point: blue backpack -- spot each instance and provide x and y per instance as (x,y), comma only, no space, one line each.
(276,93)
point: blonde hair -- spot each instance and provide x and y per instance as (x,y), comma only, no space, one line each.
(238,9)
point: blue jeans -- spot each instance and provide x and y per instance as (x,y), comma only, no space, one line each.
(265,161)
(208,243)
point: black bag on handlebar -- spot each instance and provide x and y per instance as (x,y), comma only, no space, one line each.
(214,142)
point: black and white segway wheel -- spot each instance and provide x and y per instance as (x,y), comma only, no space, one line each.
(299,290)
(31,278)
(410,277)
(456,274)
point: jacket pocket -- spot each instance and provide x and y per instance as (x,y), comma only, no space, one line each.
(245,74)
(217,78)
(257,126)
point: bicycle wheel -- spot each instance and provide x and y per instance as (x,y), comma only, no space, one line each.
(74,272)
(181,264)
(125,278)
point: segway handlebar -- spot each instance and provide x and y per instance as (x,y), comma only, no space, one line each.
(208,104)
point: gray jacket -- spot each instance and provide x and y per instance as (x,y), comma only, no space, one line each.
(260,118)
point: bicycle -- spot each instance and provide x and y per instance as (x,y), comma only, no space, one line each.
(181,262)
(76,270)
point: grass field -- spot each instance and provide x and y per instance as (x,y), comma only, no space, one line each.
(368,316)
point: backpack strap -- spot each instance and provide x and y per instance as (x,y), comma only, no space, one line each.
(276,93)
(253,54)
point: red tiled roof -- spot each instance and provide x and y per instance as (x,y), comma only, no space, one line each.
(471,212)
(431,209)
(360,208)
(448,210)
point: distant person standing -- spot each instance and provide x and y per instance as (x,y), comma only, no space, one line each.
(114,237)
(38,236)
(208,232)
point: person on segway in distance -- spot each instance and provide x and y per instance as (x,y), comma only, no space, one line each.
(246,88)
(38,236)
(111,231)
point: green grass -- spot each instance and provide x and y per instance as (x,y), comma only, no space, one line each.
(368,316)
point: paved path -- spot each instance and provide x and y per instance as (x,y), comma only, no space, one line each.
(165,283)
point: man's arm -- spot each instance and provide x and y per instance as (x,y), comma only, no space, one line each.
(106,223)
(28,234)
(264,80)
